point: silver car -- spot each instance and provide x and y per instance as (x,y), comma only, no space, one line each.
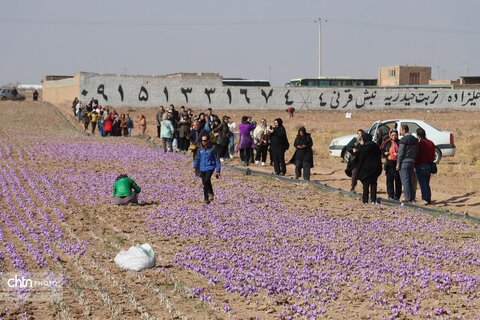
(10,94)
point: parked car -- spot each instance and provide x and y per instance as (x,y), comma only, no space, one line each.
(444,142)
(10,94)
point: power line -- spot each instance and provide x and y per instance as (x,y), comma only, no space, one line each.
(405,27)
(35,21)
(153,24)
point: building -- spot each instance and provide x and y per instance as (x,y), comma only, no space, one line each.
(394,76)
(331,82)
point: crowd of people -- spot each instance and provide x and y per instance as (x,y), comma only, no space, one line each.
(405,162)
(107,120)
(211,140)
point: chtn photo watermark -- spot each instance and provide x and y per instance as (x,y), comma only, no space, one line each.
(31,286)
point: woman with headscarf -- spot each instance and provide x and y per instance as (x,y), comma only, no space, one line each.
(303,154)
(123,125)
(246,140)
(369,167)
(278,145)
(166,132)
(390,151)
(142,124)
(222,134)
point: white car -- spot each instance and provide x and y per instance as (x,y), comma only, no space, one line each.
(444,142)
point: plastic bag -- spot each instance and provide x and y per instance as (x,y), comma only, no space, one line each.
(136,258)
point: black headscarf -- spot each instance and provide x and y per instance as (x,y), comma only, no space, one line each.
(366,137)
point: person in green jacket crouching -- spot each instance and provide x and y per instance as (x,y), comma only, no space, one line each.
(122,190)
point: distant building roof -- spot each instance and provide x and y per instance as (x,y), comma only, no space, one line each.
(470,80)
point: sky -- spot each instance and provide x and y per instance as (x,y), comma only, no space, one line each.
(274,40)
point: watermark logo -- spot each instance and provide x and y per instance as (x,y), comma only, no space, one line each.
(31,286)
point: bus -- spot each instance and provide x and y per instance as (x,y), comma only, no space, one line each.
(239,82)
(331,82)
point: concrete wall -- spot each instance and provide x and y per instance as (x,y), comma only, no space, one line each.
(61,91)
(203,91)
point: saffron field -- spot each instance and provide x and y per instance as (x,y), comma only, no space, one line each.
(264,249)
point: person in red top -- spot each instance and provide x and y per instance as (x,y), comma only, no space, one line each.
(108,125)
(423,164)
(390,151)
(290,111)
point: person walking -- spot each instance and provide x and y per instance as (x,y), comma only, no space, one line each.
(205,163)
(369,167)
(390,152)
(303,154)
(79,111)
(74,107)
(407,152)
(423,164)
(86,119)
(245,143)
(93,120)
(278,146)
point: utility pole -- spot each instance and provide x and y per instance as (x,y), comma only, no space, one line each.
(320,62)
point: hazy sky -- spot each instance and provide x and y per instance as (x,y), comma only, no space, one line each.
(275,40)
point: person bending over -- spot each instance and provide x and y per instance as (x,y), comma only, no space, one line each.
(125,190)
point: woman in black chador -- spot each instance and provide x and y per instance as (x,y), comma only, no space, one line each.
(303,154)
(278,145)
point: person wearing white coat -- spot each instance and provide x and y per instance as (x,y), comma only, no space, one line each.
(166,132)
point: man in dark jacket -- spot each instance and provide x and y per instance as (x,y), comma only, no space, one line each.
(423,164)
(278,145)
(407,152)
(195,136)
(369,167)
